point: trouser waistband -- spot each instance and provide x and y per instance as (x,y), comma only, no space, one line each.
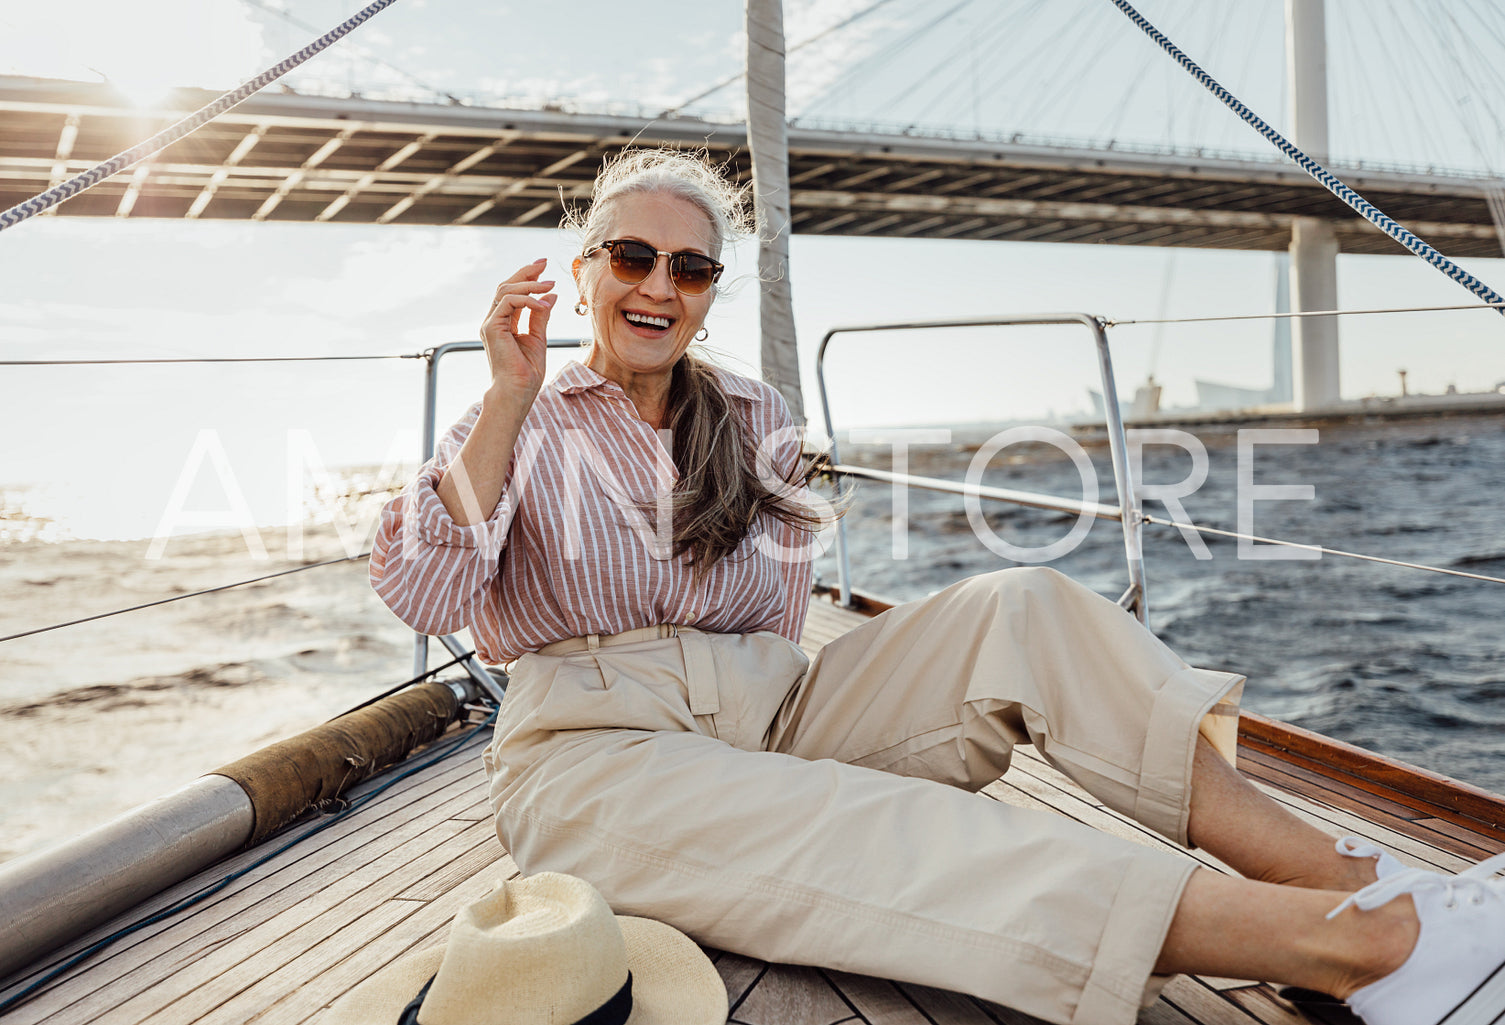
(590,642)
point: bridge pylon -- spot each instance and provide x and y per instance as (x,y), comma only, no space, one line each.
(1314,242)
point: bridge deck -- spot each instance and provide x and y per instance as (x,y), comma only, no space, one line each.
(292,935)
(286,157)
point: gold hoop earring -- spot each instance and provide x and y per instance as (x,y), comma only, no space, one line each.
(703,334)
(580,307)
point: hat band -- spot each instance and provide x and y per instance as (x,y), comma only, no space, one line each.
(615,1011)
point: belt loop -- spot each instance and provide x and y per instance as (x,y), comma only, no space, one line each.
(592,642)
(700,673)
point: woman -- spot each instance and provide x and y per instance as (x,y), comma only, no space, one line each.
(624,536)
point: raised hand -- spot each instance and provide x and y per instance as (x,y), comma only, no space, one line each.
(517,357)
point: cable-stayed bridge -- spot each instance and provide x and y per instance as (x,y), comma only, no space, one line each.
(288,157)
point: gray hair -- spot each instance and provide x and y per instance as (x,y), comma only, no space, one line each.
(719,495)
(684,175)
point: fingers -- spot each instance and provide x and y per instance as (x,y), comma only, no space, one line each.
(527,273)
(538,320)
(507,288)
(518,293)
(510,306)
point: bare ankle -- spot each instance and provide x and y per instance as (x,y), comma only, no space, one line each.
(1385,938)
(1332,872)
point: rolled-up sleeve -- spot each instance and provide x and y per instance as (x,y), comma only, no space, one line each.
(428,569)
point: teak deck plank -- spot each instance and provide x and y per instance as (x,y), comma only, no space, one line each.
(342,840)
(427,927)
(877,1001)
(295,934)
(740,974)
(213,980)
(315,951)
(791,995)
(270,895)
(945,1008)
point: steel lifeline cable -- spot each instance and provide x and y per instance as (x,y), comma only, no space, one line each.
(1316,170)
(192,123)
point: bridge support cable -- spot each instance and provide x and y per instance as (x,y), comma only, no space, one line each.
(1311,167)
(188,125)
(739,76)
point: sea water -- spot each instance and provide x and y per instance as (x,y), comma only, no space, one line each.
(1407,663)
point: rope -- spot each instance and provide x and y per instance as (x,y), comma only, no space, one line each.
(1309,313)
(1316,170)
(120,161)
(196,359)
(180,597)
(403,685)
(1320,548)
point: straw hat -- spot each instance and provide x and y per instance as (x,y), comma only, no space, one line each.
(544,950)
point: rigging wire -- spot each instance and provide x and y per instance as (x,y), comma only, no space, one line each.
(1316,170)
(1500,306)
(198,359)
(180,597)
(192,123)
(1181,525)
(451,747)
(404,685)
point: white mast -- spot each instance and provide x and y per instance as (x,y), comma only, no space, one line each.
(768,140)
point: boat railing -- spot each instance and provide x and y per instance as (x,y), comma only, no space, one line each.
(1134,597)
(492,682)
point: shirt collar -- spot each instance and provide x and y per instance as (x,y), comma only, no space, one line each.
(576,377)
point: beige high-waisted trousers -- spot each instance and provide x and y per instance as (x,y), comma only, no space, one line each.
(821,813)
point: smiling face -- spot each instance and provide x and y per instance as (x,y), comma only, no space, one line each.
(641,330)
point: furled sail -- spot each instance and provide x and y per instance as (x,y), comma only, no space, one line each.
(768,139)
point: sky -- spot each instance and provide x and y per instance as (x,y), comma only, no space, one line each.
(118,440)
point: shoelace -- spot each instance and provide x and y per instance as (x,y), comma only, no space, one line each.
(1478,883)
(1353,847)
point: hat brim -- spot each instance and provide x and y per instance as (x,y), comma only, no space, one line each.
(673,982)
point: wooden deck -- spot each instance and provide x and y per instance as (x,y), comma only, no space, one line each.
(292,935)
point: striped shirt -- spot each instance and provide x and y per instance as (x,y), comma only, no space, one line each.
(574,546)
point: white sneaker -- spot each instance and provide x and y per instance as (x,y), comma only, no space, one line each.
(1456,974)
(1385,863)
